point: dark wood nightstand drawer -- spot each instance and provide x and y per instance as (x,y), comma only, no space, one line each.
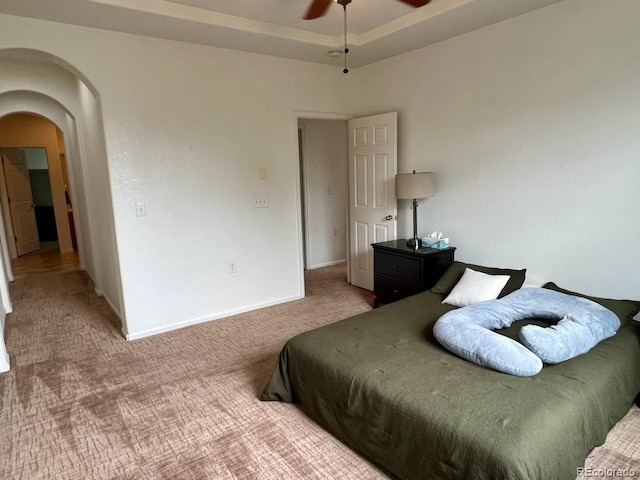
(389,290)
(401,271)
(407,269)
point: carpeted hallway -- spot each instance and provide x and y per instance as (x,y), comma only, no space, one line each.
(81,402)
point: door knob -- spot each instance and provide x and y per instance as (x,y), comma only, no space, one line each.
(388,218)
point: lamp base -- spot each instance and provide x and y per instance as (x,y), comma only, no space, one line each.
(414,243)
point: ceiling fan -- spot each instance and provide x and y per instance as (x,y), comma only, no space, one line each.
(319,7)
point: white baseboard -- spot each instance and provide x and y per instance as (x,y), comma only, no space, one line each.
(8,306)
(328,264)
(111,305)
(4,361)
(4,355)
(100,293)
(115,311)
(195,321)
(88,273)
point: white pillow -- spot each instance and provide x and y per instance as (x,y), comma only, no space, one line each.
(475,287)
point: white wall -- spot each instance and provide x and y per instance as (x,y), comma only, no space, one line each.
(325,156)
(186,129)
(79,199)
(531,126)
(97,183)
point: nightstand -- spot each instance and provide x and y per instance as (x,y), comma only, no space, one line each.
(401,271)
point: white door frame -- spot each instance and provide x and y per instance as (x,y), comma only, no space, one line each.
(311,115)
(304,194)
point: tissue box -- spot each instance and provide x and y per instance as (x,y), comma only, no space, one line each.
(438,243)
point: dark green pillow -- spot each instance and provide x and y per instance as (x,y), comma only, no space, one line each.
(624,309)
(455,271)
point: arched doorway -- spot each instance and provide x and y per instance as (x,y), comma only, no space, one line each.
(33,153)
(47,86)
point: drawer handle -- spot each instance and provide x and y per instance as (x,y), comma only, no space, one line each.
(396,266)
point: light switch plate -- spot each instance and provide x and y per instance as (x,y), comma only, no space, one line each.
(141,209)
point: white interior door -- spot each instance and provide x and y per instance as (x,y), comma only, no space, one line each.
(23,216)
(372,196)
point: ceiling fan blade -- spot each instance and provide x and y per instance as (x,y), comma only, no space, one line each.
(317,9)
(416,3)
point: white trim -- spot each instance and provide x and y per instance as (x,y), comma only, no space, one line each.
(110,303)
(88,273)
(328,264)
(304,191)
(5,366)
(101,294)
(195,321)
(311,115)
(5,266)
(4,355)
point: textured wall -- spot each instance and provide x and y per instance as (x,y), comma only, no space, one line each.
(531,126)
(187,127)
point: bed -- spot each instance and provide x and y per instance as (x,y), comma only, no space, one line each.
(382,384)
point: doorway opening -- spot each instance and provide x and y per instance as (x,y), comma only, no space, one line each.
(322,155)
(367,147)
(35,196)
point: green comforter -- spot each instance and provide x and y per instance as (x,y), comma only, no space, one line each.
(382,384)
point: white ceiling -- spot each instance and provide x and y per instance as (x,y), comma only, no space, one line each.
(378,29)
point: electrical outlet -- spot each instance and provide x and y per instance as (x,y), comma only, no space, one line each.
(261,203)
(336,232)
(232,266)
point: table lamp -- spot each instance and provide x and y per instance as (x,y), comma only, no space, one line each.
(412,186)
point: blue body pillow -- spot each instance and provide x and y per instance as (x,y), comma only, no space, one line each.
(467,331)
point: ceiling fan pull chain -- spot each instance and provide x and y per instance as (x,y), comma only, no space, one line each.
(346,47)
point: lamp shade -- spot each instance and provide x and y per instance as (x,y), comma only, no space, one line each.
(414,185)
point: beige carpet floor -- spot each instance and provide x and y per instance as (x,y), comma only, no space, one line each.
(81,402)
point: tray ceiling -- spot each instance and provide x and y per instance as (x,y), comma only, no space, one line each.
(378,29)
